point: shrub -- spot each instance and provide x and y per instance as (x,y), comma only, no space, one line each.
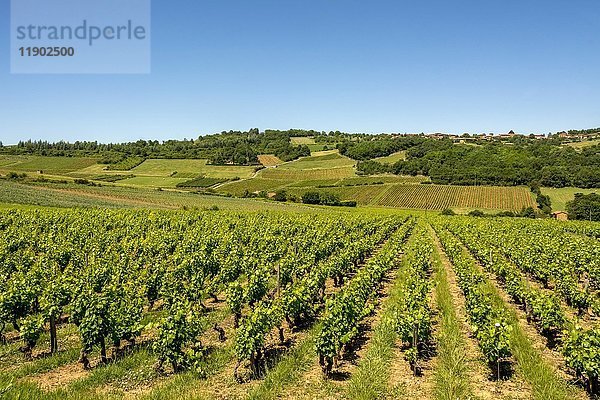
(14,175)
(506,214)
(476,213)
(280,196)
(329,199)
(311,198)
(528,212)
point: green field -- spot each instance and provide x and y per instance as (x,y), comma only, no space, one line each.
(96,169)
(254,185)
(361,180)
(323,160)
(153,181)
(314,183)
(312,174)
(49,165)
(302,140)
(560,196)
(167,168)
(392,158)
(165,173)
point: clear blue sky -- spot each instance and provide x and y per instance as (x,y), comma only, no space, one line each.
(358,66)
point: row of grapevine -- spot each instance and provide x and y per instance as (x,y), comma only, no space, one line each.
(490,320)
(543,308)
(579,346)
(585,228)
(410,315)
(570,263)
(345,310)
(179,344)
(438,197)
(102,270)
(299,300)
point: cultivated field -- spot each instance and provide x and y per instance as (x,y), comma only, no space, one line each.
(302,140)
(269,160)
(166,168)
(584,144)
(324,171)
(254,185)
(432,197)
(392,158)
(438,197)
(153,181)
(49,165)
(383,178)
(329,165)
(325,160)
(312,174)
(194,305)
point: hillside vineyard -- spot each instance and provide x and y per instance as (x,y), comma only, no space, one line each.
(165,304)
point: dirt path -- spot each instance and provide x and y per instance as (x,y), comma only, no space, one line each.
(479,373)
(59,377)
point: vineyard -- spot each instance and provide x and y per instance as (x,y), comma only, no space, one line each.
(98,304)
(308,174)
(438,197)
(431,197)
(269,160)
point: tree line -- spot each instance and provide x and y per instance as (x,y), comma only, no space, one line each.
(232,147)
(487,164)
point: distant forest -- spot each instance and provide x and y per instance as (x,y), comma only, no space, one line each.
(521,161)
(517,160)
(233,147)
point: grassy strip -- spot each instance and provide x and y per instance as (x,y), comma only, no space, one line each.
(451,378)
(289,369)
(371,380)
(184,386)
